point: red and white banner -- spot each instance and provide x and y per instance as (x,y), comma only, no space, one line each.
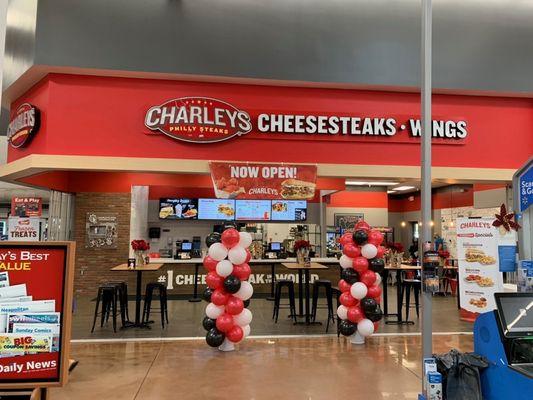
(263,181)
(26,206)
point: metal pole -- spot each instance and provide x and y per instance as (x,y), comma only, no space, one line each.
(425,185)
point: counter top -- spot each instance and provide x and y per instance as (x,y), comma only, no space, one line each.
(252,261)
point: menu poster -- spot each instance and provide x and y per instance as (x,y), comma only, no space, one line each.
(35,312)
(289,210)
(26,206)
(178,209)
(263,181)
(477,252)
(216,209)
(252,210)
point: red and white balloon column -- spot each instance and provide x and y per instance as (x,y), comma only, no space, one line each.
(228,291)
(362,263)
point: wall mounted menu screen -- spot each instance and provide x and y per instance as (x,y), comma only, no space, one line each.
(252,210)
(217,209)
(178,209)
(289,210)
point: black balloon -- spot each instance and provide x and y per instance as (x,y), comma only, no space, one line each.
(232,284)
(375,315)
(369,305)
(246,303)
(360,237)
(209,323)
(213,237)
(377,265)
(347,328)
(350,275)
(214,337)
(207,294)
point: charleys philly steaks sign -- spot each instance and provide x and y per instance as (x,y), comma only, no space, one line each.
(208,120)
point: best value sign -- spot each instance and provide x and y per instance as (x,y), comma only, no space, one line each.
(209,120)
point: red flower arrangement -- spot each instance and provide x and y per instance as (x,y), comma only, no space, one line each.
(505,220)
(140,245)
(301,244)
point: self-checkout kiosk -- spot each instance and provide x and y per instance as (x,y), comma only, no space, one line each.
(505,336)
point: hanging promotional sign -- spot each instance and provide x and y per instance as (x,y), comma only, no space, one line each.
(208,120)
(23,125)
(21,229)
(35,309)
(263,181)
(477,252)
(26,207)
(526,189)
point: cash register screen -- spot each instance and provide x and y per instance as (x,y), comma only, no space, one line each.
(186,246)
(275,246)
(516,313)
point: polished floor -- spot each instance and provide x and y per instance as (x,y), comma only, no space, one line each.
(386,367)
(185,320)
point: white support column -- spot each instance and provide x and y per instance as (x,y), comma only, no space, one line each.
(139,214)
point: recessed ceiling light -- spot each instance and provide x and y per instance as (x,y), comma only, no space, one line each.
(400,188)
(370,183)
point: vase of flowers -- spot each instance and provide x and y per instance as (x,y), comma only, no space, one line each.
(140,247)
(395,253)
(302,248)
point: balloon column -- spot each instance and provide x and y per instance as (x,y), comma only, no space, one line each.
(228,291)
(362,263)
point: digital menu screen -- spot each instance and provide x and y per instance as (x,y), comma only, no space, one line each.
(178,208)
(252,210)
(217,209)
(289,210)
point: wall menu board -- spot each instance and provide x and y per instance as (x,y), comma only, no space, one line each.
(252,210)
(178,208)
(216,209)
(289,210)
(35,312)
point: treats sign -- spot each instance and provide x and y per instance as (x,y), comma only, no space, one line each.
(198,120)
(23,125)
(263,181)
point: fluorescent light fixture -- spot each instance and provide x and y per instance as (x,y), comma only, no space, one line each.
(390,191)
(370,183)
(400,188)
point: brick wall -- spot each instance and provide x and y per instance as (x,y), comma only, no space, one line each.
(93,265)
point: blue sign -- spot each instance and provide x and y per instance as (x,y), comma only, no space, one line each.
(507,258)
(526,189)
(527,266)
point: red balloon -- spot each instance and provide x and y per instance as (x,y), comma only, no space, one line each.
(210,264)
(375,237)
(368,277)
(224,322)
(360,264)
(351,250)
(347,300)
(213,280)
(355,314)
(219,297)
(234,305)
(235,334)
(347,238)
(381,252)
(374,292)
(344,286)
(242,271)
(362,225)
(248,256)
(230,238)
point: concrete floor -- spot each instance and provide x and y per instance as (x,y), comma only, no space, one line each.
(386,367)
(185,320)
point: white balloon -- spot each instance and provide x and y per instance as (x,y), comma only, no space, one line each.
(217,251)
(224,268)
(346,262)
(369,251)
(246,239)
(213,311)
(246,330)
(237,255)
(244,318)
(245,292)
(358,290)
(365,327)
(342,312)
(378,279)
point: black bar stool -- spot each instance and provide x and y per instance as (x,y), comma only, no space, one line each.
(280,283)
(329,297)
(163,302)
(124,298)
(407,285)
(109,295)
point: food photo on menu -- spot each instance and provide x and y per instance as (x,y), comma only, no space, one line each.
(178,208)
(216,209)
